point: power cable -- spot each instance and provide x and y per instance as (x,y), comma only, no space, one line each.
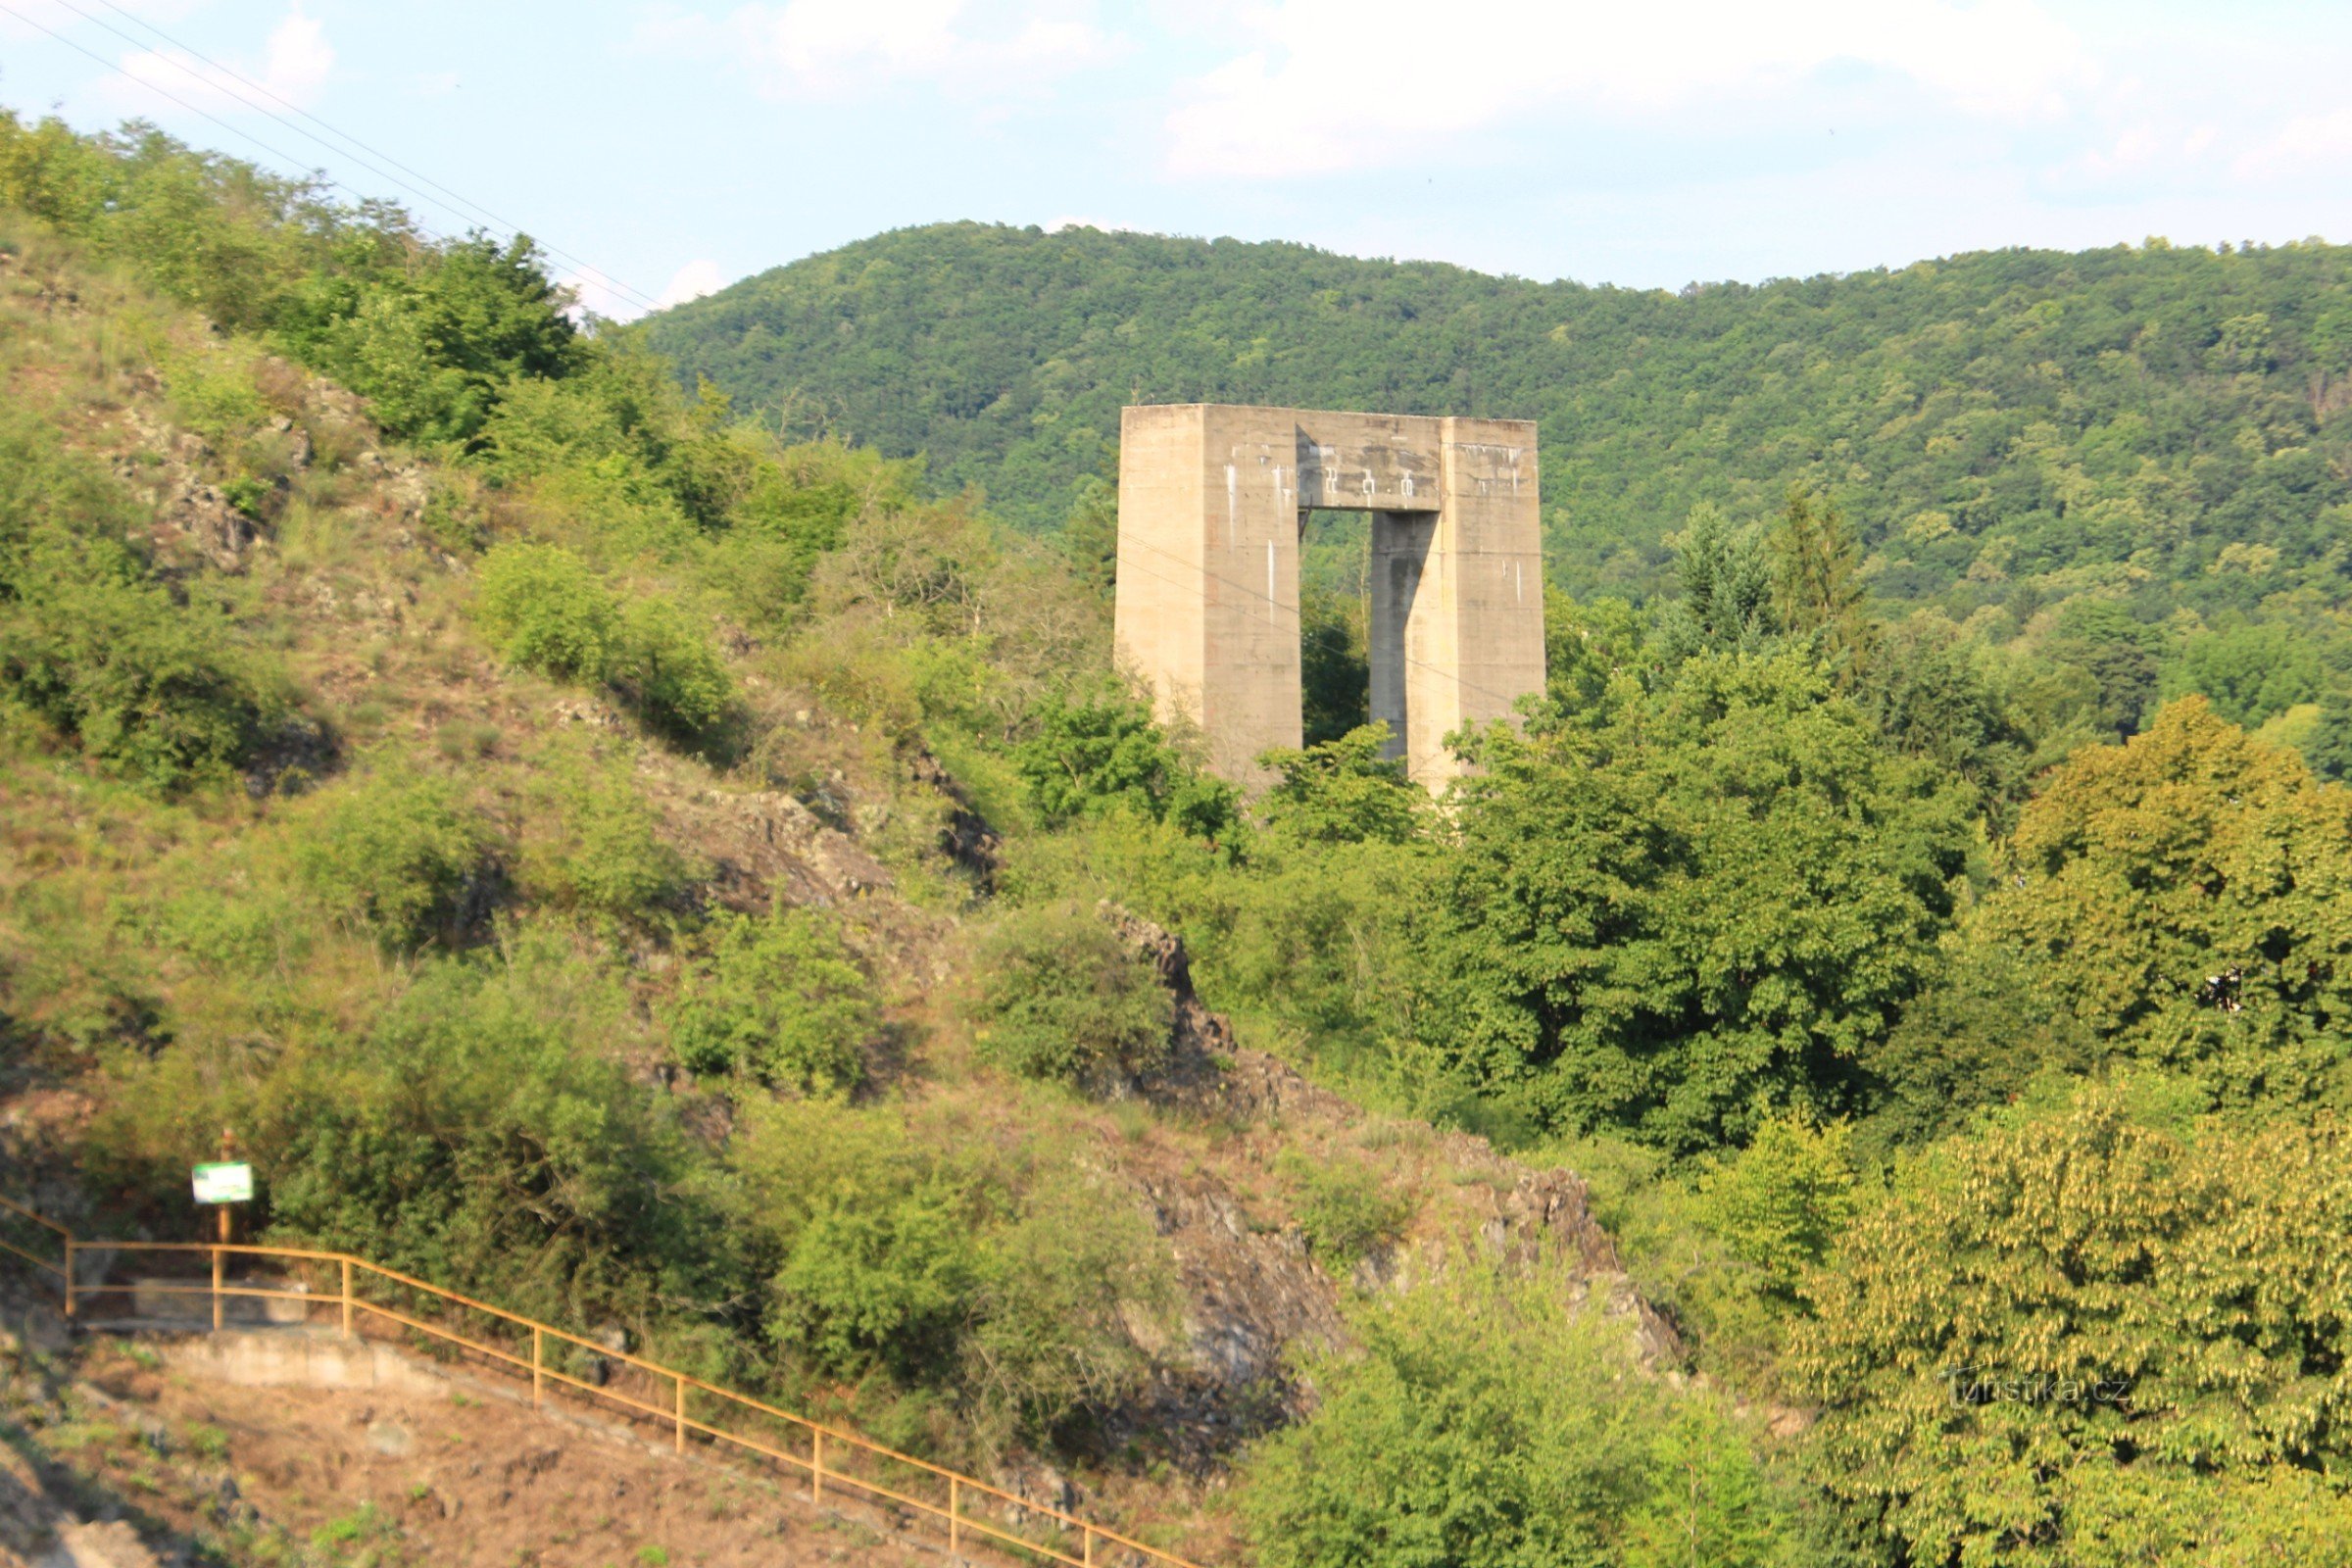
(283,157)
(480,213)
(619,287)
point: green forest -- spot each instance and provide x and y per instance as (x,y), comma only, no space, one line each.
(2125,461)
(643,824)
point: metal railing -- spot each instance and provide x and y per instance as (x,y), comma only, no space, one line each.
(971,1509)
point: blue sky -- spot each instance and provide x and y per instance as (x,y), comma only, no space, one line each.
(671,147)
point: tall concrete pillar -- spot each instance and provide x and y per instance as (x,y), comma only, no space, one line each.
(1211,501)
(1207,611)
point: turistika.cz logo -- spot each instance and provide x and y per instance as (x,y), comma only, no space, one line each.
(1976,1385)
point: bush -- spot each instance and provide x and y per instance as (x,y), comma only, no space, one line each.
(1344,1211)
(880,1276)
(1105,754)
(479,1130)
(545,608)
(1057,1287)
(1785,1200)
(1062,998)
(779,1000)
(1489,1424)
(1344,792)
(391,854)
(162,692)
(671,673)
(604,856)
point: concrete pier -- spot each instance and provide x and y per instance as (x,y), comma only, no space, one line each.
(1212,499)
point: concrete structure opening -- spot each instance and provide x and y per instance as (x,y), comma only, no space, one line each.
(1212,500)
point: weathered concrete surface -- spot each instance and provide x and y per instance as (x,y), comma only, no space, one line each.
(300,1359)
(1212,498)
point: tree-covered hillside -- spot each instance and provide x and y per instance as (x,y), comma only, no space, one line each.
(2006,423)
(698,889)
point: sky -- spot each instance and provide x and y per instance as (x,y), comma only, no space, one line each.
(663,150)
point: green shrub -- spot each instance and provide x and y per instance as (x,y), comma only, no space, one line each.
(478,1127)
(1783,1201)
(1062,997)
(779,1000)
(1105,754)
(1344,1211)
(163,694)
(671,672)
(1057,1287)
(880,1276)
(1345,791)
(1488,1423)
(595,847)
(390,853)
(545,608)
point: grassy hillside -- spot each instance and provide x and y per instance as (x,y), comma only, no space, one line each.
(709,890)
(573,841)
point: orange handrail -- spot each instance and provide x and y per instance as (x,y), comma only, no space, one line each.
(960,1521)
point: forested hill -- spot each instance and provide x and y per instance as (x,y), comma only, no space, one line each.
(2160,417)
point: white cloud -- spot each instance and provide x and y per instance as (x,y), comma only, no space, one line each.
(693,280)
(599,293)
(296,63)
(838,48)
(1329,85)
(2306,144)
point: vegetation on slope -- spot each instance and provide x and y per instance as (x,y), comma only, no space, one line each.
(2128,463)
(554,844)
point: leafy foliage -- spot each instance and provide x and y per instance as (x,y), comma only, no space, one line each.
(1785,1200)
(391,854)
(1485,1423)
(1343,1209)
(1345,791)
(2183,896)
(1106,754)
(2079,1340)
(1707,905)
(779,1000)
(546,608)
(165,692)
(1064,998)
(879,1274)
(464,1136)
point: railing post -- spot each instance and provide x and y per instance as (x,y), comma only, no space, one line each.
(1085,1534)
(680,1379)
(538,1365)
(816,1468)
(346,1298)
(69,1279)
(955,1524)
(216,1290)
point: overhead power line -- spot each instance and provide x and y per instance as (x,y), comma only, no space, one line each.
(467,212)
(465,204)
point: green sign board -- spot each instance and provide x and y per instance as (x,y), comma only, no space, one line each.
(225,1184)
